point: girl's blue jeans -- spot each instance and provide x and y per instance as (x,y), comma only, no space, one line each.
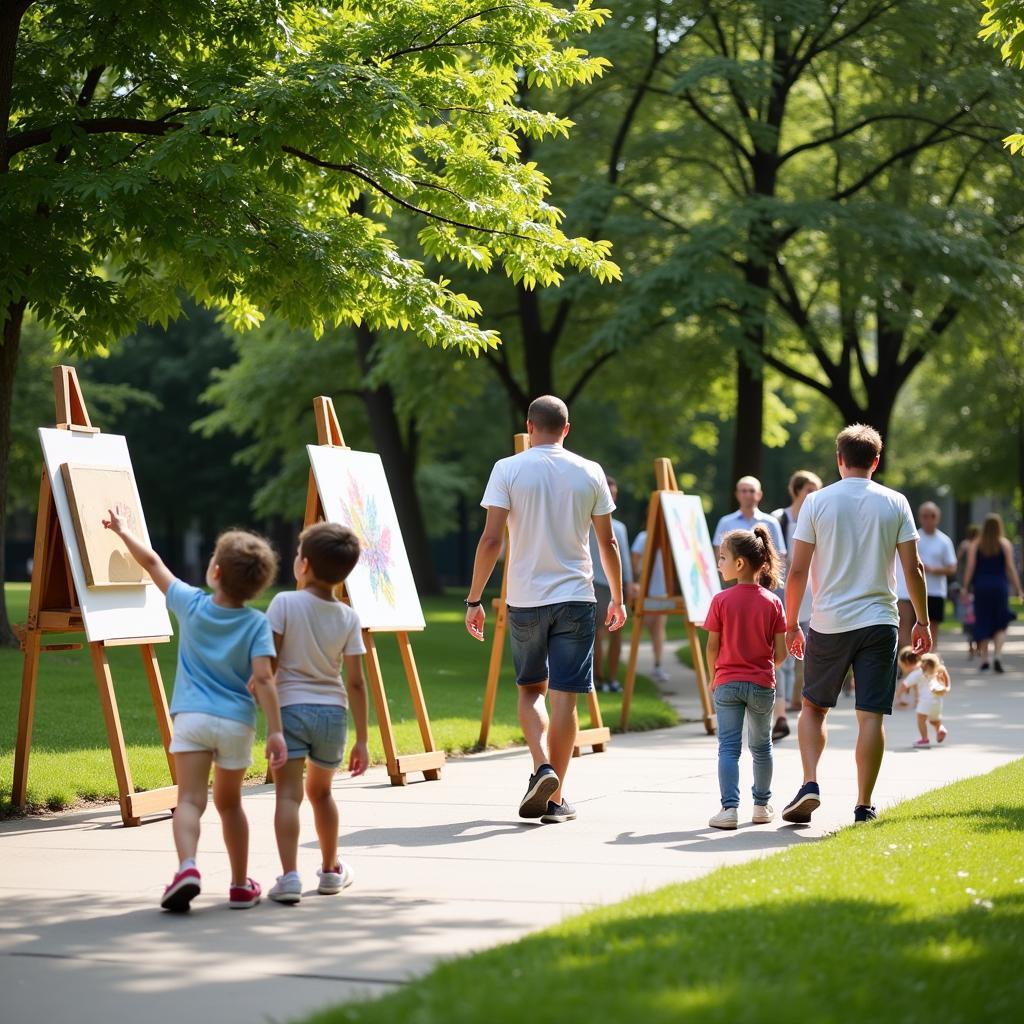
(733,702)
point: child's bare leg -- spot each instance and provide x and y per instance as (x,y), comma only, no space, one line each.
(922,726)
(193,771)
(288,784)
(227,798)
(325,813)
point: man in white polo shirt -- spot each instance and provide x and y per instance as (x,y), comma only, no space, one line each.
(549,498)
(848,538)
(748,515)
(939,558)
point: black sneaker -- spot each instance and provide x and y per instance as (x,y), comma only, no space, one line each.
(803,805)
(997,666)
(780,729)
(557,813)
(543,782)
(983,667)
(863,813)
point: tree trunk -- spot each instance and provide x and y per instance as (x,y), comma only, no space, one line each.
(399,457)
(8,367)
(747,448)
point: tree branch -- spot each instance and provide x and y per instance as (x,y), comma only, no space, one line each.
(447,32)
(502,369)
(797,375)
(589,372)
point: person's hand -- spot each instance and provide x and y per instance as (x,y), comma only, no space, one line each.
(120,520)
(277,750)
(616,617)
(795,642)
(358,759)
(920,639)
(475,618)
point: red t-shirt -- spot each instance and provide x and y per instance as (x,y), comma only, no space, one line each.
(748,617)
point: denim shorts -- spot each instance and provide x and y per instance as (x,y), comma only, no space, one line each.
(554,642)
(870,651)
(316,731)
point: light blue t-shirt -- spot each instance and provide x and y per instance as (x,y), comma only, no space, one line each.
(738,521)
(619,529)
(215,650)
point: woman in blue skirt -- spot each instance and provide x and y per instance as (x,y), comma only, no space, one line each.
(990,571)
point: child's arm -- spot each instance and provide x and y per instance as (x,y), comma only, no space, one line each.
(781,653)
(265,692)
(714,645)
(120,523)
(359,759)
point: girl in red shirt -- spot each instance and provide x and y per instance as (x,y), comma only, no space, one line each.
(746,640)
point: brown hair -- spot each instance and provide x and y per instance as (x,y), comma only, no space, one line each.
(247,563)
(858,445)
(548,414)
(931,665)
(908,656)
(757,548)
(331,549)
(800,479)
(973,529)
(991,534)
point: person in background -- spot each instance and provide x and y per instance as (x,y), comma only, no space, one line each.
(606,673)
(932,681)
(939,559)
(748,515)
(964,603)
(656,601)
(801,483)
(990,571)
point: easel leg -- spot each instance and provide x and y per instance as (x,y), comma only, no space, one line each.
(108,701)
(418,703)
(156,692)
(702,679)
(634,653)
(26,713)
(380,704)
(493,674)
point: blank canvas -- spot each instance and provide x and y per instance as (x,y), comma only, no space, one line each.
(92,491)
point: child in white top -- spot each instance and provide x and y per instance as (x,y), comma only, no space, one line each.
(932,680)
(314,634)
(909,662)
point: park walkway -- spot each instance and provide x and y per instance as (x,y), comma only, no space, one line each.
(441,868)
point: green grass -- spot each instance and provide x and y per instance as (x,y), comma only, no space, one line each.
(71,760)
(917,918)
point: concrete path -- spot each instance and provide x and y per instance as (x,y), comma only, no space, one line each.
(441,868)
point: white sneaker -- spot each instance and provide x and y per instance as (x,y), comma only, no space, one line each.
(763,813)
(659,675)
(727,817)
(332,882)
(287,888)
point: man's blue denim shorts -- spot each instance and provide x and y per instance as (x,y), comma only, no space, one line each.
(554,642)
(316,731)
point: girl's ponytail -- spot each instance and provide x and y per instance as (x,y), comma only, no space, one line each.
(769,567)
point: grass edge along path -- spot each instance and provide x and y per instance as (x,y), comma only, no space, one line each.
(915,918)
(71,760)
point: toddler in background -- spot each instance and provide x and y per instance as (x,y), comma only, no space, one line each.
(932,685)
(909,660)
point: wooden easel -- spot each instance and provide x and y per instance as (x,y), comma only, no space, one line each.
(658,543)
(598,734)
(430,762)
(53,607)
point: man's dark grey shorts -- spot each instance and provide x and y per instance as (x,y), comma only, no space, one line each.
(869,651)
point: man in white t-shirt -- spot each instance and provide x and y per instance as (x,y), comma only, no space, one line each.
(939,558)
(854,530)
(548,498)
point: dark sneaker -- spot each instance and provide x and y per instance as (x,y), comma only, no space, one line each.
(543,782)
(184,888)
(780,729)
(863,813)
(997,666)
(803,805)
(557,813)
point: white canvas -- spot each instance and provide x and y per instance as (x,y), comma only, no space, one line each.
(119,613)
(692,553)
(354,491)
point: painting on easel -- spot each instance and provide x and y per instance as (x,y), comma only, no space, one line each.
(354,491)
(692,553)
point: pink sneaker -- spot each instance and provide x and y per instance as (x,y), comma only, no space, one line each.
(184,888)
(242,897)
(922,743)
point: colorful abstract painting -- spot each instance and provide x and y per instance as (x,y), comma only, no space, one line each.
(354,491)
(692,553)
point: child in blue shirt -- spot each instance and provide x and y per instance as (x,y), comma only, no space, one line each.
(222,647)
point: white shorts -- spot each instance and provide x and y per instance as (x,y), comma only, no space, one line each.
(229,741)
(930,706)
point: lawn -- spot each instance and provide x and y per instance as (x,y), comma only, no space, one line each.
(915,918)
(71,760)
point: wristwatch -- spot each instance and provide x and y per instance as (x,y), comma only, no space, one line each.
(472,604)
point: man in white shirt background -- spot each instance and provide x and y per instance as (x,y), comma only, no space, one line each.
(847,539)
(939,558)
(549,498)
